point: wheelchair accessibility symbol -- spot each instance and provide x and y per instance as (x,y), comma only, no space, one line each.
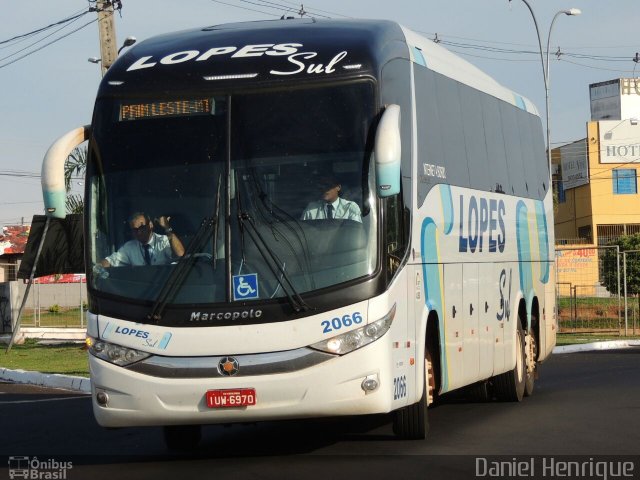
(245,286)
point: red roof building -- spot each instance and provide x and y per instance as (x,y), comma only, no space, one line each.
(13,239)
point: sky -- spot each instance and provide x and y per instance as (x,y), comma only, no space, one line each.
(52,90)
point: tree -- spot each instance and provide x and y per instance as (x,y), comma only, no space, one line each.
(75,166)
(609,270)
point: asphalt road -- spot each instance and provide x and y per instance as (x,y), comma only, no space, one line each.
(585,404)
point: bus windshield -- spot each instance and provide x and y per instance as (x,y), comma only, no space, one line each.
(265,195)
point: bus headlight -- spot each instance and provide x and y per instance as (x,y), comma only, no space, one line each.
(350,341)
(113,353)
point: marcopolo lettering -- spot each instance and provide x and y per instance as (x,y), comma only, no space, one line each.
(209,316)
(481,218)
(132,332)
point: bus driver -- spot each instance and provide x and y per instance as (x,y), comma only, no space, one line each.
(331,205)
(146,247)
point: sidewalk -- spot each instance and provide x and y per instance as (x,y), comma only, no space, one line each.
(52,380)
(83,384)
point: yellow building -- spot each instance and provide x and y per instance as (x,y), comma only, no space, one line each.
(596,178)
(596,188)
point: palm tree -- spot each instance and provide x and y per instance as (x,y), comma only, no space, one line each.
(75,166)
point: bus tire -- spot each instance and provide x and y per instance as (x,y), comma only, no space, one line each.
(182,438)
(412,422)
(531,353)
(509,386)
(479,392)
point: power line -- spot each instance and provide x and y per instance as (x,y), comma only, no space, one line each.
(64,20)
(280,7)
(301,11)
(484,57)
(43,38)
(241,7)
(596,68)
(10,173)
(47,44)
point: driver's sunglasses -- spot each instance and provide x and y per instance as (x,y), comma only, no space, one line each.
(141,228)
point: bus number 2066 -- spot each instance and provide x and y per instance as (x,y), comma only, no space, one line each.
(337,323)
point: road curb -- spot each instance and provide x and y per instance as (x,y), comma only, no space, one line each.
(595,346)
(52,380)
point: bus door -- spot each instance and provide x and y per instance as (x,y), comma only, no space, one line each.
(487,308)
(454,325)
(470,311)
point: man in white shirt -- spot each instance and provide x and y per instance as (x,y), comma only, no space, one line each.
(332,205)
(146,247)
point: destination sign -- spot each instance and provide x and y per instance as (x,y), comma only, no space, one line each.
(138,111)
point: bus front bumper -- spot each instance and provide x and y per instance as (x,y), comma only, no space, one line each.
(331,388)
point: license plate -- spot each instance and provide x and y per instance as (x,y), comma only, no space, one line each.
(240,397)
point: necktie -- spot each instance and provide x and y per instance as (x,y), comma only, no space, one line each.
(329,211)
(147,254)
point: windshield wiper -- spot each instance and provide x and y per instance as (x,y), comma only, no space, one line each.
(181,270)
(270,258)
(284,219)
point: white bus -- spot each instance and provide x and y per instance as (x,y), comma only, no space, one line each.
(433,271)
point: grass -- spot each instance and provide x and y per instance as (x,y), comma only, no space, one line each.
(67,359)
(566,302)
(594,313)
(65,317)
(577,338)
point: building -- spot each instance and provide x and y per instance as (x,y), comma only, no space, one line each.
(596,178)
(13,240)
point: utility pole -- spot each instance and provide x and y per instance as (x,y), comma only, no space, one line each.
(107,32)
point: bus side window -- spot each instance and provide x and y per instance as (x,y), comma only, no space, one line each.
(396,234)
(494,140)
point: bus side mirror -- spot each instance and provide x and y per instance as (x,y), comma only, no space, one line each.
(53,190)
(388,150)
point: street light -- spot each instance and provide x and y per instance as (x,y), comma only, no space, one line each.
(545,65)
(127,43)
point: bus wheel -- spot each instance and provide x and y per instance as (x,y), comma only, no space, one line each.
(509,386)
(479,392)
(182,438)
(531,352)
(412,422)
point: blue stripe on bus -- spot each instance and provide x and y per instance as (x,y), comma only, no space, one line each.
(543,241)
(520,102)
(447,208)
(524,251)
(433,291)
(418,57)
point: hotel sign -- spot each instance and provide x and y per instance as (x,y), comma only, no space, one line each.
(575,167)
(620,141)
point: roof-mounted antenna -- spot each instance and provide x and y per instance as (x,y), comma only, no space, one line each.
(436,39)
